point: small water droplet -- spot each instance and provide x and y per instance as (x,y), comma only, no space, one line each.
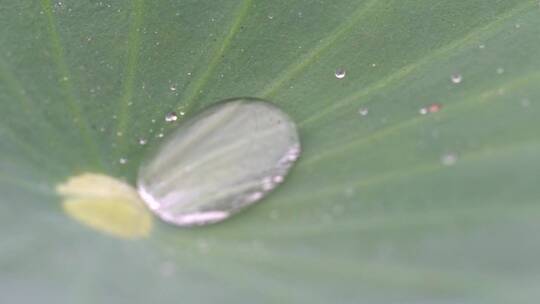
(456,78)
(171,116)
(500,71)
(119,134)
(340,73)
(423,111)
(270,17)
(517,25)
(123,161)
(482,46)
(160,135)
(142,141)
(449,159)
(230,159)
(363,111)
(172,88)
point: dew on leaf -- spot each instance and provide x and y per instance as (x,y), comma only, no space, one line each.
(218,162)
(363,111)
(171,116)
(340,73)
(456,78)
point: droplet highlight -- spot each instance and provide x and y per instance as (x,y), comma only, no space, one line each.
(218,162)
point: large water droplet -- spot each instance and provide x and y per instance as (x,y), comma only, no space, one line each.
(218,162)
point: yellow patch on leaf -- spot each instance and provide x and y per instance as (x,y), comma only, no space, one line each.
(105,204)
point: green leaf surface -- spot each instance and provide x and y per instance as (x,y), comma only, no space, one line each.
(370,214)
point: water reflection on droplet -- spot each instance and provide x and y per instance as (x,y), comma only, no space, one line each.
(218,162)
(340,73)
